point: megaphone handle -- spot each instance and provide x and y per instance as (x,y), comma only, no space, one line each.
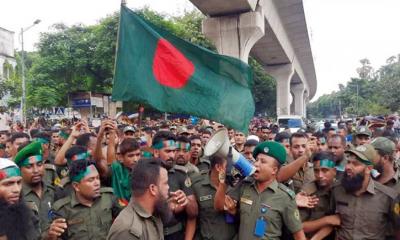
(228,172)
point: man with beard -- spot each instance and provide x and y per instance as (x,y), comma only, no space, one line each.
(118,173)
(266,206)
(384,164)
(38,194)
(164,147)
(148,208)
(16,220)
(88,212)
(366,207)
(196,154)
(319,222)
(182,156)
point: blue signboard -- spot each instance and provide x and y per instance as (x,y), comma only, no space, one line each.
(81,103)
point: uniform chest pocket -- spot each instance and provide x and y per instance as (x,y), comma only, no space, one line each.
(106,219)
(245,206)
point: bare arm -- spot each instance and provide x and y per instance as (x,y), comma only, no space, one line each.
(101,162)
(190,228)
(219,199)
(288,171)
(299,235)
(112,141)
(60,157)
(316,225)
(192,208)
(322,233)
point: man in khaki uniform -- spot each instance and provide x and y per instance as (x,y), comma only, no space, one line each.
(366,207)
(213,224)
(141,219)
(38,194)
(320,220)
(298,148)
(265,206)
(87,213)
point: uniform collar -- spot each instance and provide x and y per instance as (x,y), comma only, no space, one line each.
(139,210)
(75,201)
(371,186)
(26,189)
(273,186)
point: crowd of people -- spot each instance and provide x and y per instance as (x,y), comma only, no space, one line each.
(151,180)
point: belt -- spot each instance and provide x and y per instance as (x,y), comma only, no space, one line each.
(173,229)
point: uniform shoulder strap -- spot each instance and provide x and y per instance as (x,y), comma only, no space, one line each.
(64,181)
(106,197)
(196,177)
(287,190)
(106,190)
(181,168)
(50,166)
(386,190)
(62,202)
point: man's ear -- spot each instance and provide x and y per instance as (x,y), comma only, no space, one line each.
(153,189)
(75,185)
(156,153)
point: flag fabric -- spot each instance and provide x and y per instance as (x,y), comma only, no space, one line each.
(173,75)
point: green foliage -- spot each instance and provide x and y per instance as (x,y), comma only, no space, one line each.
(81,58)
(372,93)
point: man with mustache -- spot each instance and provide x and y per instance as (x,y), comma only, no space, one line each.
(366,207)
(16,220)
(182,155)
(38,194)
(196,154)
(87,213)
(266,207)
(184,206)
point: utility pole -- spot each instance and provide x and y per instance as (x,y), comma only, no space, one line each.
(23,98)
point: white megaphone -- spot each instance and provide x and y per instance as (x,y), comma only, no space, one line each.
(219,145)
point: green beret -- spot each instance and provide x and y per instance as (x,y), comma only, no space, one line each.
(33,150)
(272,149)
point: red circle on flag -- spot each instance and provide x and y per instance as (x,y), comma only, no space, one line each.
(170,67)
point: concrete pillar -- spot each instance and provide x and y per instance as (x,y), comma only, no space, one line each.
(306,100)
(282,74)
(298,93)
(235,35)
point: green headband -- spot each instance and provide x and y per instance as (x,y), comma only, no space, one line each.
(9,172)
(327,163)
(80,156)
(164,144)
(63,135)
(42,140)
(78,178)
(30,160)
(185,146)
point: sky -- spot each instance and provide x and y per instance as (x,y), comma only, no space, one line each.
(341,31)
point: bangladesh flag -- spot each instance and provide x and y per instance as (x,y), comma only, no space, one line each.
(173,75)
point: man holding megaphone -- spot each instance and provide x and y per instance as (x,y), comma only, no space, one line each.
(265,206)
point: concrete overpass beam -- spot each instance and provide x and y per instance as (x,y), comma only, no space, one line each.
(298,92)
(235,35)
(282,74)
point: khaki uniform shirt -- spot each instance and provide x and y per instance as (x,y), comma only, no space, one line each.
(134,223)
(305,175)
(87,222)
(212,224)
(366,216)
(279,202)
(324,207)
(40,206)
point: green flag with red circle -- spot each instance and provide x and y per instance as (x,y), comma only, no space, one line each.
(173,75)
